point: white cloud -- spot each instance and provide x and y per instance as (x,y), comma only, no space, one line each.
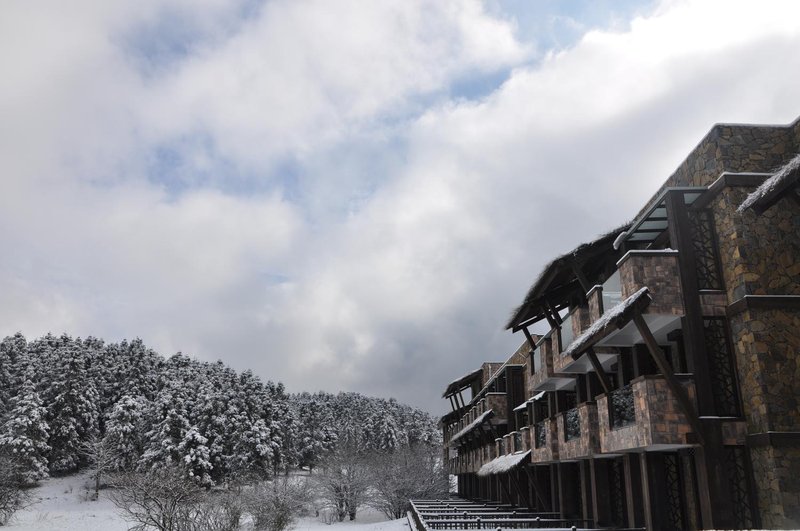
(420,221)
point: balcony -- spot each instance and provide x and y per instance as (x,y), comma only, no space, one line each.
(578,432)
(545,378)
(544,441)
(643,416)
(656,270)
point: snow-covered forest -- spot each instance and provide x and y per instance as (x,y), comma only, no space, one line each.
(67,402)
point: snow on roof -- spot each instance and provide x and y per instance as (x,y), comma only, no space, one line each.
(462,382)
(528,401)
(771,189)
(612,316)
(504,463)
(472,425)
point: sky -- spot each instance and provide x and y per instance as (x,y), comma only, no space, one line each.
(346,195)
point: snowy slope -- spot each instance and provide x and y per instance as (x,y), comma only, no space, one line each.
(62,506)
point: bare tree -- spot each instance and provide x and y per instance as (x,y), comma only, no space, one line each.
(162,498)
(12,496)
(276,504)
(403,474)
(102,458)
(344,483)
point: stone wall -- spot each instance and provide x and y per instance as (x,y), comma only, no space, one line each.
(497,402)
(777,485)
(734,148)
(659,417)
(588,444)
(548,452)
(767,345)
(581,319)
(760,254)
(595,302)
(546,370)
(658,270)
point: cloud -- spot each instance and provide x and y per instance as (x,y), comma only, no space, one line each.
(297,187)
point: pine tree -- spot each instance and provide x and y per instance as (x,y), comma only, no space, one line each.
(195,456)
(72,408)
(125,431)
(25,432)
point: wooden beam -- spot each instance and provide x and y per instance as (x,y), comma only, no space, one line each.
(576,268)
(661,362)
(528,336)
(554,314)
(598,368)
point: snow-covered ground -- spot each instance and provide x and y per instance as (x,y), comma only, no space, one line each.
(62,504)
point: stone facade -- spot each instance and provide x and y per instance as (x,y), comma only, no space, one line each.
(497,402)
(588,443)
(658,270)
(659,418)
(775,469)
(767,346)
(759,254)
(548,452)
(735,148)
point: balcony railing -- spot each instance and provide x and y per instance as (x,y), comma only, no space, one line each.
(648,416)
(612,291)
(567,334)
(578,432)
(623,412)
(572,425)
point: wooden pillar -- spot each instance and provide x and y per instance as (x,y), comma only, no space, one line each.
(601,499)
(681,238)
(649,513)
(633,478)
(586,490)
(554,488)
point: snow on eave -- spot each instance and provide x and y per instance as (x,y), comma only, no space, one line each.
(535,292)
(617,315)
(504,463)
(529,401)
(771,189)
(462,382)
(471,426)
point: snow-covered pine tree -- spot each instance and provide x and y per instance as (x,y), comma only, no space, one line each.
(125,431)
(316,434)
(170,424)
(72,407)
(13,357)
(195,457)
(24,434)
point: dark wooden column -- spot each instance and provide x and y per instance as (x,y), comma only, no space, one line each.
(681,238)
(633,478)
(586,490)
(601,500)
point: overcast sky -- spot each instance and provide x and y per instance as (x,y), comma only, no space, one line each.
(346,195)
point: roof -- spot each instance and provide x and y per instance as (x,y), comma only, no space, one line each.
(653,220)
(503,463)
(771,190)
(614,319)
(460,383)
(480,419)
(558,279)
